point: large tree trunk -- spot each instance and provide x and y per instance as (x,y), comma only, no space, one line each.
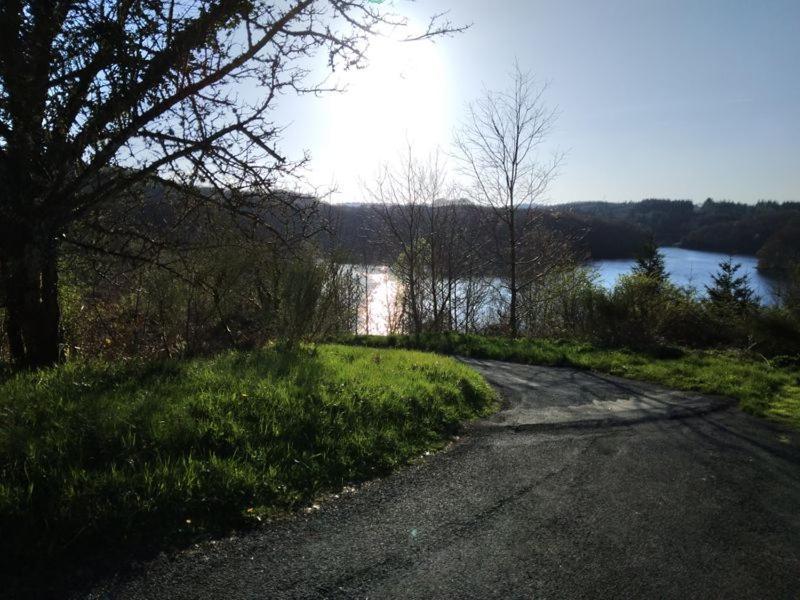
(30,284)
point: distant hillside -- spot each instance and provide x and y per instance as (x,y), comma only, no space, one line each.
(359,232)
(599,230)
(766,229)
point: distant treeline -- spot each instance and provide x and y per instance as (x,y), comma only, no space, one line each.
(359,231)
(767,229)
(598,230)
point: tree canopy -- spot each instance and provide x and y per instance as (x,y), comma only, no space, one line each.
(730,290)
(99,97)
(650,263)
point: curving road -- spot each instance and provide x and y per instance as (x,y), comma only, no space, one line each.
(583,486)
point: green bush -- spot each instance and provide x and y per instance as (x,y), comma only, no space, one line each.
(641,312)
(560,304)
(776,331)
(231,297)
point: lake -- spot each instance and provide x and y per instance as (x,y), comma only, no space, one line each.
(692,268)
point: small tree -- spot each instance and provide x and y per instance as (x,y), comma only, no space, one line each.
(412,201)
(730,290)
(499,148)
(650,263)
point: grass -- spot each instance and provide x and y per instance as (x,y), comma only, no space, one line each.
(98,455)
(762,388)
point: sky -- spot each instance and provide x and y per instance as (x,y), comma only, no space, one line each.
(656,98)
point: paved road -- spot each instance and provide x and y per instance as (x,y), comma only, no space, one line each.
(584,486)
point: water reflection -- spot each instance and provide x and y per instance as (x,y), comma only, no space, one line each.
(378,315)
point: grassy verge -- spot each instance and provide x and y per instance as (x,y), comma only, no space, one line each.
(761,387)
(99,455)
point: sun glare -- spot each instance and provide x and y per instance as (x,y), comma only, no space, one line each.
(401,96)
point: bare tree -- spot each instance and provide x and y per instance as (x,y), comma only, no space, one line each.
(499,148)
(99,97)
(466,264)
(413,203)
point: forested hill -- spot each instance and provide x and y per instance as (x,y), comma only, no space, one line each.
(360,232)
(766,229)
(598,230)
(603,230)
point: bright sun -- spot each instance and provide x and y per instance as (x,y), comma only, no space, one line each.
(400,97)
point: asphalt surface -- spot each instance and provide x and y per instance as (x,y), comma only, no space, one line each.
(583,486)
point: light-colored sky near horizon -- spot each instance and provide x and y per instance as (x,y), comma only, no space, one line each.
(657,98)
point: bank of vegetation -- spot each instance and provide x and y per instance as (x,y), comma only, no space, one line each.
(762,387)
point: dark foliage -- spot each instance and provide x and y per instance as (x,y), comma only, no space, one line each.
(731,291)
(766,228)
(598,238)
(781,251)
(650,263)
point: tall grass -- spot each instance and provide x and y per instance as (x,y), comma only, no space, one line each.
(96,454)
(764,388)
